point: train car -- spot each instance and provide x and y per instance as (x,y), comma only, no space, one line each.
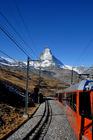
(77,100)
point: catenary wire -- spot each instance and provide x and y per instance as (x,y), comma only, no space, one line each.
(82,54)
(19,35)
(11,57)
(7,55)
(13,40)
(22,19)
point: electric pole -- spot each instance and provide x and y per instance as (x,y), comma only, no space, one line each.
(39,81)
(26,96)
(72,76)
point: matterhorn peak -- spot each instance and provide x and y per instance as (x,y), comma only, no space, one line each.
(46,55)
(47,59)
(47,48)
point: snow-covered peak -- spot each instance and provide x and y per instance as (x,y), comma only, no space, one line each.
(8,61)
(46,55)
(78,69)
(11,62)
(47,59)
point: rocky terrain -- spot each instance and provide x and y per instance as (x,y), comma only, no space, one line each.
(46,60)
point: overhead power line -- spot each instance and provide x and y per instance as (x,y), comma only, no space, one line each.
(22,19)
(83,52)
(7,55)
(13,40)
(10,57)
(19,35)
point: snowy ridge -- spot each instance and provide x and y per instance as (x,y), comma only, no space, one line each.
(11,62)
(45,60)
(79,69)
(8,61)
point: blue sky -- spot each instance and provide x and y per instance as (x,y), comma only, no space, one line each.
(65,26)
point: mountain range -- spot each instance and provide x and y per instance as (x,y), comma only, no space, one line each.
(45,61)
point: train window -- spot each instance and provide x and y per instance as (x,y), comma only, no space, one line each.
(60,97)
(74,101)
(69,99)
(64,98)
(85,104)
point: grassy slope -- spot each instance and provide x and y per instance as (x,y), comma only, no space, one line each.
(12,116)
(18,79)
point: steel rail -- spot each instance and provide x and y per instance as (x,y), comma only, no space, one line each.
(41,128)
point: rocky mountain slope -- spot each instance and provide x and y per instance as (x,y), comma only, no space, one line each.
(46,60)
(50,66)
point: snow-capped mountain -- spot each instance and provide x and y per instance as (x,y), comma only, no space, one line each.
(79,69)
(10,62)
(45,61)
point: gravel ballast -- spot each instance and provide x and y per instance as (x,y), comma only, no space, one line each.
(25,129)
(59,128)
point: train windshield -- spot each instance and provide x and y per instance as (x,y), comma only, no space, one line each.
(85,104)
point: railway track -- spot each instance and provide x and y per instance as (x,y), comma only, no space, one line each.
(36,127)
(40,129)
(46,123)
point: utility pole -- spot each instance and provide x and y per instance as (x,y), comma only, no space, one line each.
(26,96)
(72,76)
(39,81)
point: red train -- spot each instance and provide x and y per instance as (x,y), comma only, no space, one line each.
(77,101)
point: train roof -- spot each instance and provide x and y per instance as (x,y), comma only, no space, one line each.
(82,85)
